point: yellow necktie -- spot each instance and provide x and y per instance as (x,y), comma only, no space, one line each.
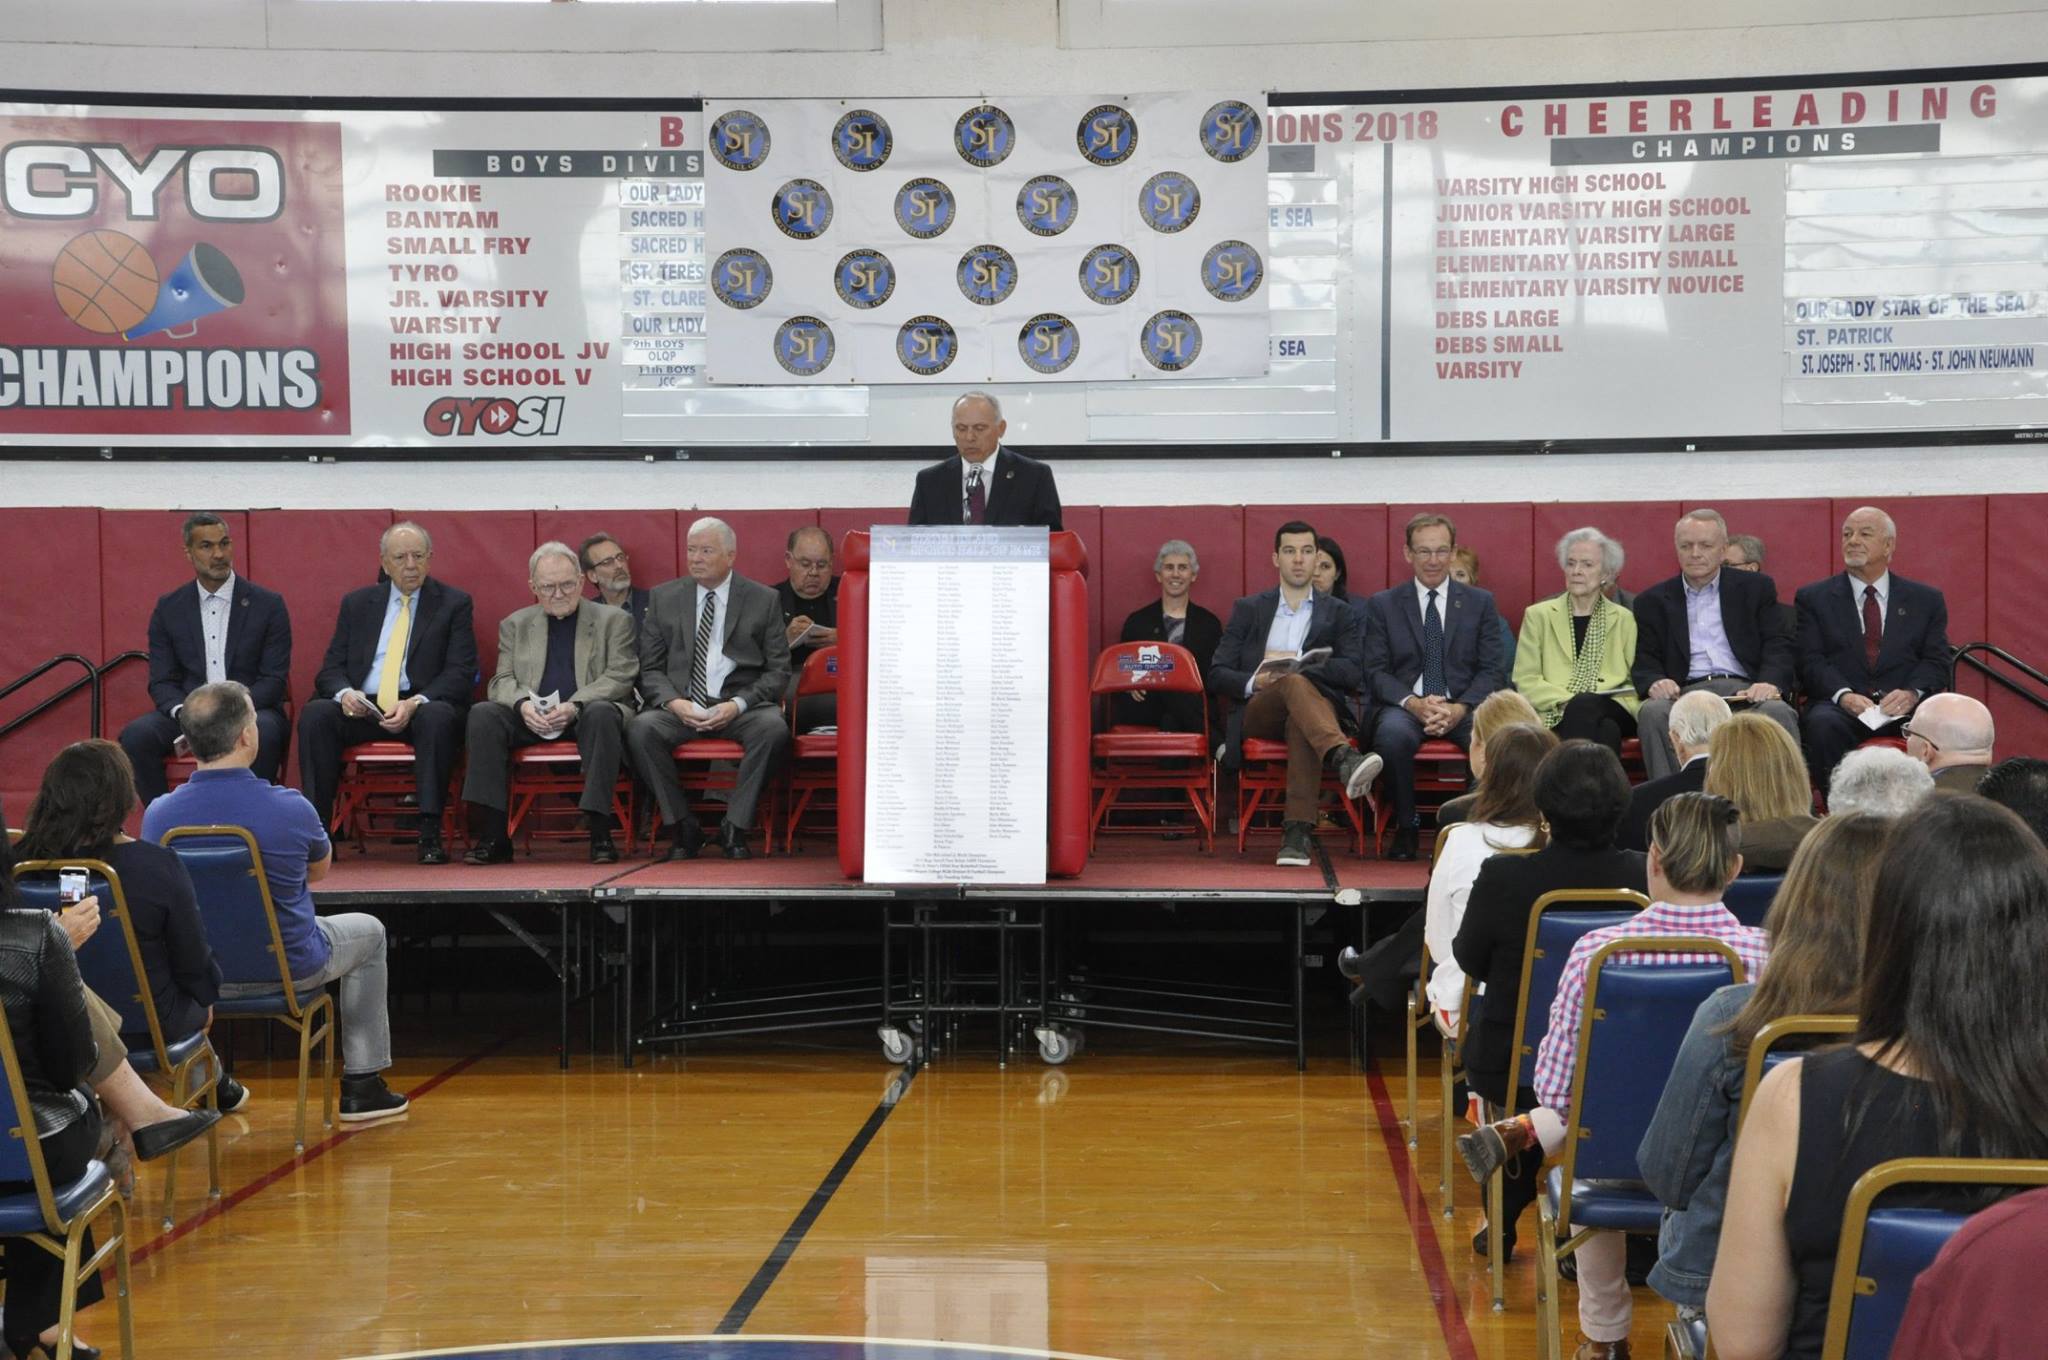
(394,656)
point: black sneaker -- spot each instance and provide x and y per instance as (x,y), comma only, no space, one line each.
(231,1094)
(368,1098)
(1356,770)
(1294,845)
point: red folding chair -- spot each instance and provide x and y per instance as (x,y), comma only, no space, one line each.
(1263,774)
(712,766)
(1130,758)
(1442,772)
(545,773)
(1632,760)
(814,756)
(374,794)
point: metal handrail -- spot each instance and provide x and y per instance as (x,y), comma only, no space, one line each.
(91,680)
(1964,656)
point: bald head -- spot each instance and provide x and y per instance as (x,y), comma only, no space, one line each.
(1951,729)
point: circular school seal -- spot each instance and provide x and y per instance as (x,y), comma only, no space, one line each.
(984,136)
(862,140)
(739,140)
(1232,271)
(741,278)
(804,346)
(864,278)
(925,208)
(1047,205)
(987,275)
(1049,343)
(1231,131)
(1109,274)
(1170,341)
(801,209)
(926,345)
(1169,202)
(1107,135)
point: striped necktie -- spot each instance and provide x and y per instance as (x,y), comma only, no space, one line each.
(707,624)
(1433,650)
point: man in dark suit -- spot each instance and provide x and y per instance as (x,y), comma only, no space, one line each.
(1174,617)
(714,663)
(606,566)
(810,617)
(1868,641)
(222,627)
(984,483)
(1708,628)
(1694,717)
(1433,653)
(1745,552)
(421,700)
(1306,707)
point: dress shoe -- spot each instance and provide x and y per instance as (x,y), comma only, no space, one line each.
(1404,843)
(1507,1242)
(686,839)
(1601,1350)
(154,1140)
(230,1095)
(733,840)
(1347,962)
(431,851)
(602,851)
(489,850)
(1492,1146)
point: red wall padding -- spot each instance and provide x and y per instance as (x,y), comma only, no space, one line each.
(2016,620)
(648,536)
(483,552)
(52,562)
(1499,534)
(1802,539)
(1122,580)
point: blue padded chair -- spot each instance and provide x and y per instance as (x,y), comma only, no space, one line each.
(1634,1017)
(55,1218)
(111,964)
(1785,1037)
(241,925)
(1749,898)
(1556,922)
(1883,1250)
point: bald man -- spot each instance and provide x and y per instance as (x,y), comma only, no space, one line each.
(1952,734)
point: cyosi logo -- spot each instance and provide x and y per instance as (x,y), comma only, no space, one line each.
(62,179)
(450,417)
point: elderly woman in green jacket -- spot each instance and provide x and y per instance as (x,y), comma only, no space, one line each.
(1576,649)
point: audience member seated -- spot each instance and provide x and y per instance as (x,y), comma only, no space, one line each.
(606,566)
(1306,706)
(1692,860)
(1505,817)
(1745,552)
(1881,780)
(1578,649)
(347,948)
(1708,628)
(2017,782)
(1694,718)
(1499,709)
(1174,617)
(1432,653)
(1465,571)
(985,482)
(221,627)
(1981,1299)
(1952,734)
(714,663)
(401,667)
(1871,645)
(1581,792)
(1949,1059)
(566,667)
(1756,766)
(1332,575)
(1816,930)
(810,617)
(87,794)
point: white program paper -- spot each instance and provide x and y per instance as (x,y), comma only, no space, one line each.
(957,705)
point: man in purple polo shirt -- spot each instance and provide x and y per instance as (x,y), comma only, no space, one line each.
(220,726)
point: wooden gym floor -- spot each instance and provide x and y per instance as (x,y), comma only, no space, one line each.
(1143,1201)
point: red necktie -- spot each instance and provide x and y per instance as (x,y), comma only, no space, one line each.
(1873,628)
(977,498)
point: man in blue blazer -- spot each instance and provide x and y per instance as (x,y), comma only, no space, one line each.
(401,667)
(1432,655)
(984,483)
(1868,641)
(222,627)
(1307,707)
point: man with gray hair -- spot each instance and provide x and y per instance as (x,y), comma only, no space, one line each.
(1881,780)
(1952,735)
(714,664)
(566,666)
(985,482)
(1694,717)
(401,667)
(1174,617)
(1712,629)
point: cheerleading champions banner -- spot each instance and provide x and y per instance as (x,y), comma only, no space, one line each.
(987,240)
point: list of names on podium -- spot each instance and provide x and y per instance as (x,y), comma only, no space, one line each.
(957,705)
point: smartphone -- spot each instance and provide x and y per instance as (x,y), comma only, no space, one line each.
(73,885)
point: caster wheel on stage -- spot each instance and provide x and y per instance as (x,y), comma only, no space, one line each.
(897,1045)
(1057,1043)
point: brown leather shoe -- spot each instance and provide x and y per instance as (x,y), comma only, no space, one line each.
(1601,1350)
(1493,1146)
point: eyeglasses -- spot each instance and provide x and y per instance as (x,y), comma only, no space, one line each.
(617,559)
(410,559)
(1907,731)
(559,589)
(1432,552)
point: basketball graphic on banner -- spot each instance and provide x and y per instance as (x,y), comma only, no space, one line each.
(105,281)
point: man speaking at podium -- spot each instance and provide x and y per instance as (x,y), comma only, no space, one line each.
(984,483)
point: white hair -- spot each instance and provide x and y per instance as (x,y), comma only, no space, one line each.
(1881,780)
(995,407)
(710,522)
(1611,555)
(1176,547)
(1694,716)
(551,549)
(1704,516)
(384,539)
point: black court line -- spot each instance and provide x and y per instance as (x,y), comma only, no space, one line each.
(1323,858)
(793,1236)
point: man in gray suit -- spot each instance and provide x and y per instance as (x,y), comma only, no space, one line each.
(565,665)
(714,663)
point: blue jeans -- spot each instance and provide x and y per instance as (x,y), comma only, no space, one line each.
(355,942)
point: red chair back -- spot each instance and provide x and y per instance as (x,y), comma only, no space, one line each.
(1151,666)
(820,674)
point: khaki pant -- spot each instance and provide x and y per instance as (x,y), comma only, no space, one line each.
(1294,709)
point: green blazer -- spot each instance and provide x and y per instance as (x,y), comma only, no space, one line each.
(1543,658)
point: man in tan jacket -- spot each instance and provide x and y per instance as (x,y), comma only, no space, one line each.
(566,667)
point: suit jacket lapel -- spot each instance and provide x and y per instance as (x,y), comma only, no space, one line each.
(1263,615)
(731,619)
(586,644)
(424,600)
(1411,610)
(1561,630)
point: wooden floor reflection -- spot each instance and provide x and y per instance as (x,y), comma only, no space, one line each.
(1132,1204)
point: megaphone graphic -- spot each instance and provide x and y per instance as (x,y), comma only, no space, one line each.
(205,281)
